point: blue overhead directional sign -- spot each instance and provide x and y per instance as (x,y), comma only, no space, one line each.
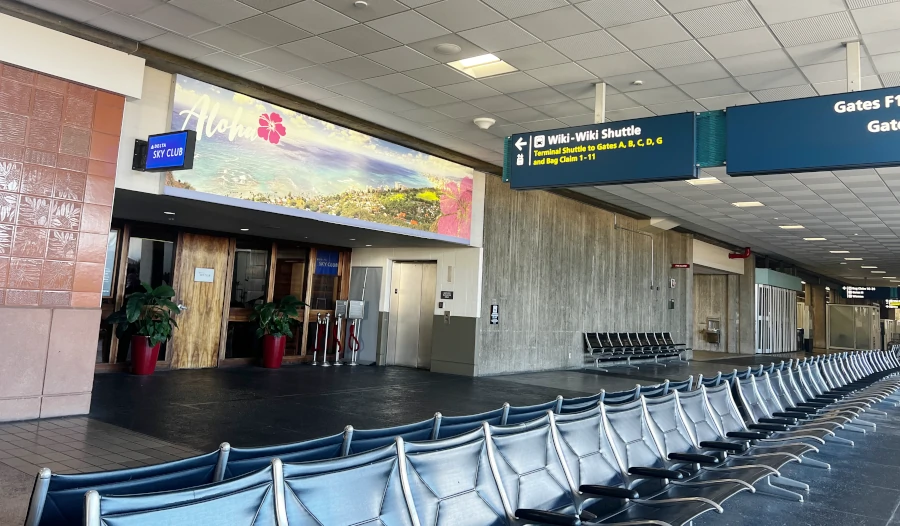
(635,151)
(834,132)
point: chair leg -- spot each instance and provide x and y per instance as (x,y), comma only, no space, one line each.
(766,488)
(806,461)
(790,483)
(864,423)
(839,440)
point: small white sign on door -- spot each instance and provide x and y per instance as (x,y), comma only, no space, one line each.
(204,275)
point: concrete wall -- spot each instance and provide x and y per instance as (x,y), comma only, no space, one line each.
(143,117)
(717,296)
(557,268)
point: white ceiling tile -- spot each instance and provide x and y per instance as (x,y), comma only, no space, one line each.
(546,124)
(579,120)
(613,65)
(563,109)
(79,10)
(459,110)
(878,18)
(417,3)
(891,80)
(672,55)
(359,68)
(396,83)
(556,23)
(625,83)
(308,91)
(429,97)
(219,11)
(677,6)
(321,76)
(619,101)
(720,103)
(713,88)
(401,59)
(516,8)
(128,7)
(497,103)
(499,36)
(649,33)
(346,105)
(588,45)
(270,77)
(451,125)
(278,59)
(459,15)
(373,10)
(231,41)
(815,29)
(317,49)
(609,13)
(539,97)
(393,104)
(513,82)
(677,107)
(228,63)
(312,16)
(408,27)
(360,91)
(758,62)
(179,45)
(176,20)
(561,74)
(659,96)
(740,43)
(469,90)
(819,53)
(438,75)
(532,56)
(887,63)
(882,42)
(700,72)
(126,26)
(775,11)
(360,39)
(269,29)
(629,113)
(521,115)
(772,79)
(818,73)
(429,48)
(720,19)
(582,90)
(785,93)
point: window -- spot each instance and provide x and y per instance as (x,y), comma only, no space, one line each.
(250,280)
(290,273)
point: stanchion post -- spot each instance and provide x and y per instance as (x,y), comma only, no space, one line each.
(337,340)
(316,342)
(325,351)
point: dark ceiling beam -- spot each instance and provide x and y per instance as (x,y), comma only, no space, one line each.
(171,63)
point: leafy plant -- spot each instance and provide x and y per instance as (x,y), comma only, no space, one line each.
(276,318)
(150,313)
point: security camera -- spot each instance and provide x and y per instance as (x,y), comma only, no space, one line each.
(484,122)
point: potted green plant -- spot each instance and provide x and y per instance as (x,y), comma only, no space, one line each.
(275,320)
(149,318)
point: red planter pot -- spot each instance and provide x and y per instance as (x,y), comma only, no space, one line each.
(273,351)
(143,356)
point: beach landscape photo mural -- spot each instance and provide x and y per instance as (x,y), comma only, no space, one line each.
(253,150)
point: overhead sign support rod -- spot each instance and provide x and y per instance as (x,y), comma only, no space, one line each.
(600,103)
(854,67)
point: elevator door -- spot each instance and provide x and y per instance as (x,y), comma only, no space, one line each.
(412,314)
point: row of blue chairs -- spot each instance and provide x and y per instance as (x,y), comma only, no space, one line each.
(59,499)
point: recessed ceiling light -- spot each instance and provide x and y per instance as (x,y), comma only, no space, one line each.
(169,213)
(814,239)
(747,204)
(867,266)
(894,280)
(803,283)
(879,272)
(853,259)
(703,180)
(791,227)
(352,239)
(447,49)
(368,245)
(839,251)
(244,229)
(843,262)
(361,3)
(637,82)
(888,277)
(482,66)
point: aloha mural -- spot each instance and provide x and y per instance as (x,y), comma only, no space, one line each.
(250,149)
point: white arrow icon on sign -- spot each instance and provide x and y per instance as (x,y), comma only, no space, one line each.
(520,143)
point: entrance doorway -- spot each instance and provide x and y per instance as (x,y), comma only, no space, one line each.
(411,318)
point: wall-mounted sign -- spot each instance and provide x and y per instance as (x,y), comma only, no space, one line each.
(869,293)
(495,314)
(634,151)
(170,151)
(111,242)
(204,275)
(251,149)
(681,265)
(834,132)
(446,294)
(672,283)
(327,262)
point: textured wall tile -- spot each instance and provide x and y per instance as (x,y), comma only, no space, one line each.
(15,97)
(43,135)
(48,83)
(22,297)
(10,176)
(111,99)
(62,245)
(95,218)
(2,296)
(13,128)
(104,147)
(79,112)
(75,141)
(65,214)
(38,180)
(17,74)
(81,92)
(34,211)
(4,272)
(92,247)
(6,235)
(47,106)
(108,119)
(69,185)
(30,242)
(88,277)
(72,163)
(99,190)
(58,275)
(11,152)
(9,204)
(33,156)
(86,299)
(102,169)
(24,273)
(54,298)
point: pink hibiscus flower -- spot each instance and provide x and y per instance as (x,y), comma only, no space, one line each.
(456,209)
(270,128)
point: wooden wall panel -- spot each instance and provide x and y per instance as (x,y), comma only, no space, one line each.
(195,343)
(558,268)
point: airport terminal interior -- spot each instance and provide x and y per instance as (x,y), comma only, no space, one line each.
(449,262)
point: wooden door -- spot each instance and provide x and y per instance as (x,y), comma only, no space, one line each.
(202,272)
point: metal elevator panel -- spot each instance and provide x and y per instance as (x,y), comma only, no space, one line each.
(411,314)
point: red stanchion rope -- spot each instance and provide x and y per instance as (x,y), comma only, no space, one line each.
(353,337)
(321,333)
(337,342)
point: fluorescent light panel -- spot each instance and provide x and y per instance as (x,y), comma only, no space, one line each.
(791,227)
(747,204)
(703,180)
(839,251)
(814,239)
(853,259)
(879,272)
(867,266)
(482,66)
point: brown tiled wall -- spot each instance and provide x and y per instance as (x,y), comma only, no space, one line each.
(58,147)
